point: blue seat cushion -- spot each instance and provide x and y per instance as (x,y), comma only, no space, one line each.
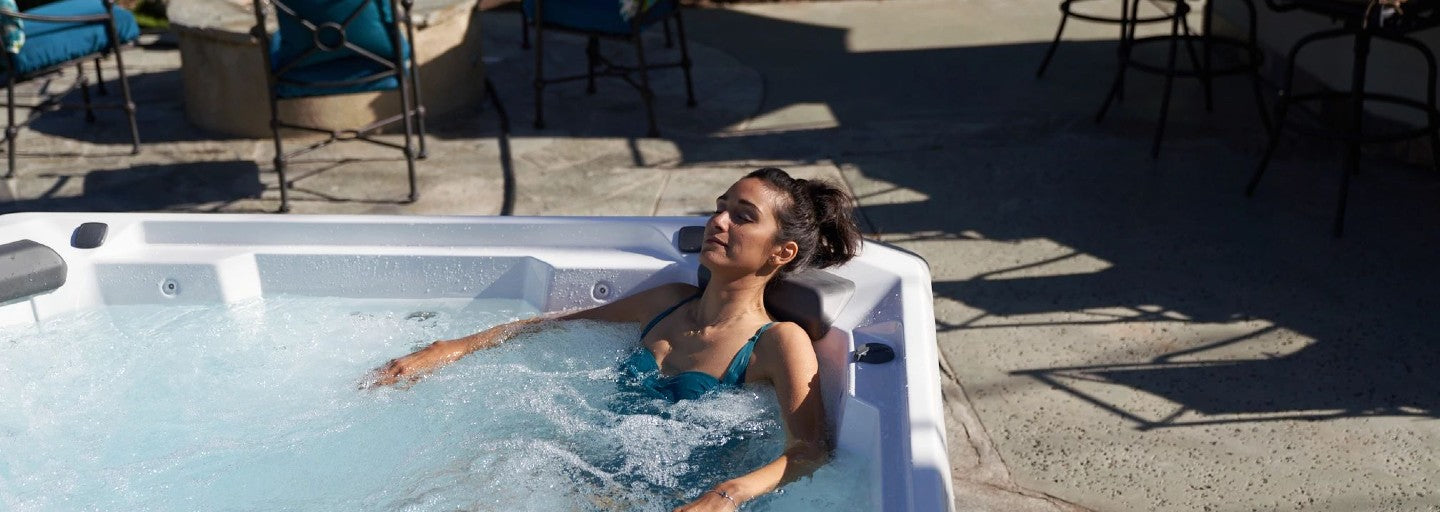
(370,29)
(309,80)
(603,16)
(48,43)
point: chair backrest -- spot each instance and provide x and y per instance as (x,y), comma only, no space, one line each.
(318,31)
(604,16)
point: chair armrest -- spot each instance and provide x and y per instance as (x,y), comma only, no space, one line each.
(91,18)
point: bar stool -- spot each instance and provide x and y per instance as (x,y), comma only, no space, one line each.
(1128,19)
(1202,66)
(1364,21)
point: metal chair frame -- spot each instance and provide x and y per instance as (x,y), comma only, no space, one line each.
(51,101)
(1202,65)
(598,65)
(1364,28)
(1129,18)
(412,112)
(525,32)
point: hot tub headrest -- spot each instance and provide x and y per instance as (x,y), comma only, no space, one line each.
(812,299)
(29,268)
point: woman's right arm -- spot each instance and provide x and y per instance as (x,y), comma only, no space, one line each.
(634,308)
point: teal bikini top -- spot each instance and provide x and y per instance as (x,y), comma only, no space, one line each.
(641,370)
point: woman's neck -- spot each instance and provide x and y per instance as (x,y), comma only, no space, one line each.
(728,299)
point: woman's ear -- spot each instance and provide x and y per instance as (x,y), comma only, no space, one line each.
(785,253)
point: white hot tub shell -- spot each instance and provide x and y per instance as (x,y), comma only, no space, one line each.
(889,413)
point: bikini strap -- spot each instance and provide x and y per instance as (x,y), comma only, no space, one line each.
(664,314)
(741,362)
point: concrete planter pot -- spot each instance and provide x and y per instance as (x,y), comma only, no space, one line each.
(224,80)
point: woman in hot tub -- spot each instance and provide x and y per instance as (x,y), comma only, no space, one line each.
(695,341)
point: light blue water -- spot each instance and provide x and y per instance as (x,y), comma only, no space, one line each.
(255,406)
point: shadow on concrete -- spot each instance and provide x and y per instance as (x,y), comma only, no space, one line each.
(150,188)
(616,109)
(159,110)
(996,155)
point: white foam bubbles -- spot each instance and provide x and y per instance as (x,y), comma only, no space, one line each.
(255,406)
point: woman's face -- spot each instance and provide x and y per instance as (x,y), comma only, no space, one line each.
(741,234)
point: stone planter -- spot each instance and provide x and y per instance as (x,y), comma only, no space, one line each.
(224,79)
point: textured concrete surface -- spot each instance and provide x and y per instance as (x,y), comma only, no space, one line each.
(1119,333)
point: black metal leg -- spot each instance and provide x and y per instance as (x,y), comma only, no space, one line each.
(1113,93)
(1205,63)
(1129,12)
(524,32)
(1129,9)
(415,87)
(1050,52)
(279,157)
(592,58)
(84,85)
(100,80)
(539,85)
(1357,116)
(1169,82)
(1433,113)
(407,110)
(1198,65)
(129,103)
(1282,106)
(685,61)
(1256,59)
(645,92)
(11,131)
(1280,109)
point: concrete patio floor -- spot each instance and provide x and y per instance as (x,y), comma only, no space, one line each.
(1118,332)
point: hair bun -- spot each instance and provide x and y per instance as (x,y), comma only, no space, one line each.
(819,217)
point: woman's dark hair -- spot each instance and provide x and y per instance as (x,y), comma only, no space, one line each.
(818,216)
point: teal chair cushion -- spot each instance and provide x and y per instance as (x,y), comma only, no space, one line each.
(49,43)
(315,79)
(370,29)
(604,16)
(304,75)
(309,80)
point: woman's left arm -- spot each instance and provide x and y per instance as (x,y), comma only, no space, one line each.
(785,357)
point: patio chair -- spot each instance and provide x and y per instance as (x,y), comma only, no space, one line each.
(1362,22)
(525,23)
(1246,53)
(333,47)
(622,20)
(45,40)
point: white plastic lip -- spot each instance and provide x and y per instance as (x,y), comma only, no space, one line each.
(893,299)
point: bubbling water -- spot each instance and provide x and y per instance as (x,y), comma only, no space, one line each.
(256,406)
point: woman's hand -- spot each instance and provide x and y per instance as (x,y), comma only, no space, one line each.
(711,501)
(417,364)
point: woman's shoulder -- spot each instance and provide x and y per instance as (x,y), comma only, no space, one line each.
(784,349)
(783,337)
